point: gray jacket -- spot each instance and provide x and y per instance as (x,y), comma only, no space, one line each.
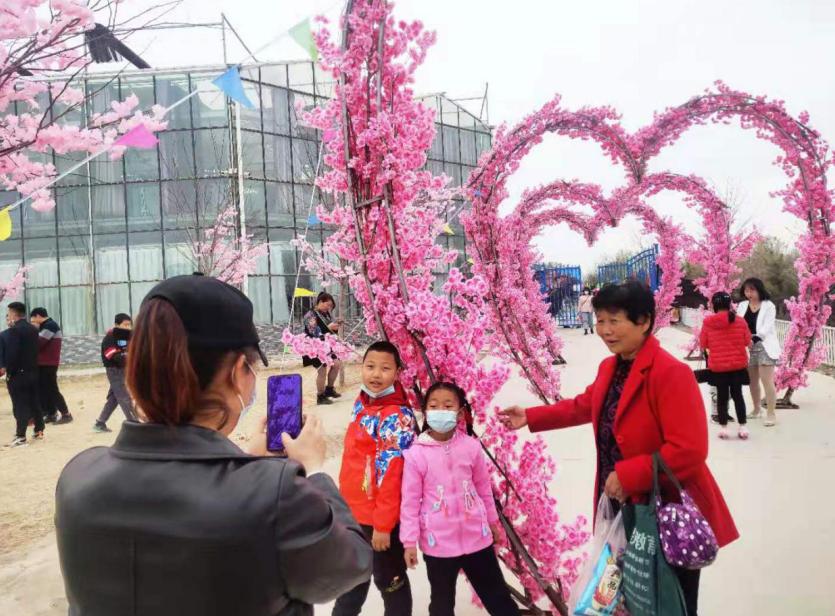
(178,521)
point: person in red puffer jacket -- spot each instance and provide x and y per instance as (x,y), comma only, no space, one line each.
(382,427)
(726,340)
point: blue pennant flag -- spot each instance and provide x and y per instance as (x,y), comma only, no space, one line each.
(313,220)
(232,86)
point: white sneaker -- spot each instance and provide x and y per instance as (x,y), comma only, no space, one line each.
(19,441)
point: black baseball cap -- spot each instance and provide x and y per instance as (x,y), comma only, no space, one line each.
(216,315)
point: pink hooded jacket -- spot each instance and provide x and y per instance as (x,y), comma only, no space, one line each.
(447,503)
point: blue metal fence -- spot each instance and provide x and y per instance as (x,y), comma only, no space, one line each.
(561,286)
(641,266)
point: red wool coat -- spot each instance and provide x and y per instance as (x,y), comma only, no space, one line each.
(726,343)
(660,409)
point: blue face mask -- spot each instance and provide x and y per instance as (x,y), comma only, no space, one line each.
(380,394)
(442,421)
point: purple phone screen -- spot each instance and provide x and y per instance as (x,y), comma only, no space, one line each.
(284,408)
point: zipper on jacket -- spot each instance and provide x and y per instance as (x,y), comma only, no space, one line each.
(367,480)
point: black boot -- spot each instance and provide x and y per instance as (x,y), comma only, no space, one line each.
(330,392)
(323,399)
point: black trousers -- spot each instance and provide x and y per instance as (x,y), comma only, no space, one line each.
(689,581)
(23,390)
(482,569)
(50,396)
(389,577)
(725,391)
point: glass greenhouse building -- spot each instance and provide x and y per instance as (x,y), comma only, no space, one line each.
(120,226)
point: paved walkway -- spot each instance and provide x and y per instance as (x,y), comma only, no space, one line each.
(778,485)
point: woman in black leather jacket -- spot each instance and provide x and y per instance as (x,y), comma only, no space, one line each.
(174,519)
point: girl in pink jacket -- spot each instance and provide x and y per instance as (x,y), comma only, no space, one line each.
(447,507)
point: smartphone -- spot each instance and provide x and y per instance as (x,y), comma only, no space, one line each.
(284,409)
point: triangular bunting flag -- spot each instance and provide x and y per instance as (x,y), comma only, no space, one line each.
(448,230)
(5,225)
(313,220)
(303,35)
(138,137)
(301,292)
(232,86)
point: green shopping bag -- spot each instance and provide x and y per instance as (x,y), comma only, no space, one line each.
(650,585)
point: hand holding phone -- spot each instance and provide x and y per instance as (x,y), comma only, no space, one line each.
(310,448)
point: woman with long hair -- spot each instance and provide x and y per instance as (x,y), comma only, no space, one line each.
(174,519)
(760,314)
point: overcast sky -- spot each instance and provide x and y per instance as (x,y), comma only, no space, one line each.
(636,56)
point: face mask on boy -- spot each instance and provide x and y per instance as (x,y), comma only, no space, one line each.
(442,421)
(380,394)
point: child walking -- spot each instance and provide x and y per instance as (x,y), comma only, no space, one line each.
(726,339)
(448,507)
(382,428)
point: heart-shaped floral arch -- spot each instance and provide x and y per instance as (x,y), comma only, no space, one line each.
(505,260)
(387,212)
(525,334)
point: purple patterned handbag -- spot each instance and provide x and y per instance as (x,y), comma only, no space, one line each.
(686,537)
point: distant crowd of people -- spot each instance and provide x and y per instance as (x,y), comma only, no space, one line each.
(30,354)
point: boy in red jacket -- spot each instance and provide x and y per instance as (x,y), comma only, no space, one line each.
(726,339)
(383,426)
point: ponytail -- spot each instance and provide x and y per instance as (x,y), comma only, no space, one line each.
(722,301)
(167,378)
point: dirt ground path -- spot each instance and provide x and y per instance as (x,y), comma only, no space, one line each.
(28,474)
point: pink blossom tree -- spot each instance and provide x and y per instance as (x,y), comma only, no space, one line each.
(388,215)
(219,250)
(13,289)
(42,39)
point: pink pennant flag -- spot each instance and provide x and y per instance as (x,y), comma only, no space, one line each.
(138,137)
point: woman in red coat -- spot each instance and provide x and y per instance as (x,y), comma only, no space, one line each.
(643,401)
(726,339)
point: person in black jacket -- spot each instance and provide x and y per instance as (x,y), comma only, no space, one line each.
(114,352)
(19,362)
(174,519)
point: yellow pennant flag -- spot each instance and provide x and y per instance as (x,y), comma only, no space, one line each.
(448,230)
(301,292)
(5,225)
